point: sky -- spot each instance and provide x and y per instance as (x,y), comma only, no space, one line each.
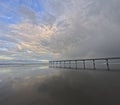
(59,29)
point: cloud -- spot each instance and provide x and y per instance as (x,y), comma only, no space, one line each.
(92,29)
(66,29)
(33,38)
(26,14)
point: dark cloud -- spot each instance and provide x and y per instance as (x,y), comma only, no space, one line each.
(92,30)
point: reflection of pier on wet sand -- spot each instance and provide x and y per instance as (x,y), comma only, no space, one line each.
(97,63)
(37,85)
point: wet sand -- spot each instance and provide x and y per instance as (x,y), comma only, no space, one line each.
(34,85)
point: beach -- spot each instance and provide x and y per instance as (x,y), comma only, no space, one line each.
(41,85)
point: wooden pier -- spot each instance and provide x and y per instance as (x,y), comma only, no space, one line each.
(70,63)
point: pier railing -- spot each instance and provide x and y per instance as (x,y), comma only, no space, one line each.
(97,63)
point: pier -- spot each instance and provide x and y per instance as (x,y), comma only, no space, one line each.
(96,63)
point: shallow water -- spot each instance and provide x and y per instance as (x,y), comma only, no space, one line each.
(38,85)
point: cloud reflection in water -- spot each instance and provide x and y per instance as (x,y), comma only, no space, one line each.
(35,86)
